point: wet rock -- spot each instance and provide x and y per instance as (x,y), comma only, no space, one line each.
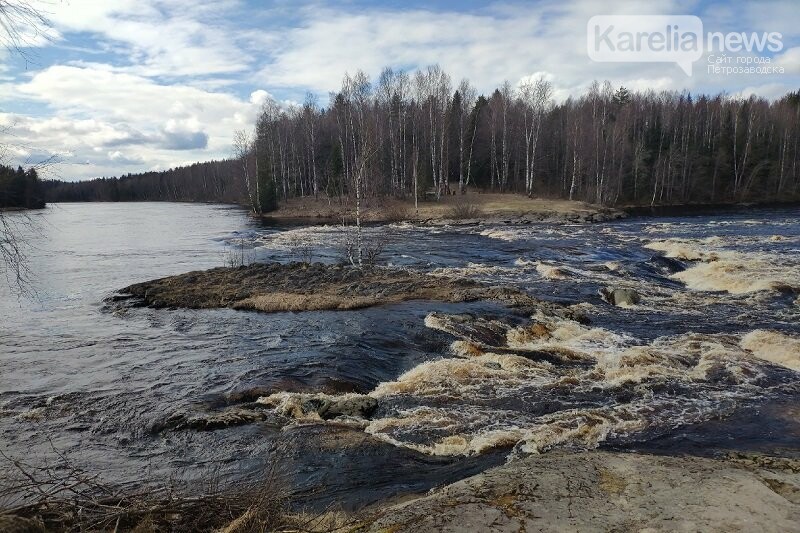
(248,395)
(225,419)
(620,297)
(539,330)
(667,265)
(170,422)
(468,327)
(231,418)
(358,407)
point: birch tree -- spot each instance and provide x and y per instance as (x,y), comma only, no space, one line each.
(535,97)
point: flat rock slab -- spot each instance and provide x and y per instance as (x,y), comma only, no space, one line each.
(600,491)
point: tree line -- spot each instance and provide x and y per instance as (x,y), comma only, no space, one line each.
(20,188)
(419,136)
(212,181)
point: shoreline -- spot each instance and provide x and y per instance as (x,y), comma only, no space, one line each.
(310,212)
(469,209)
(679,210)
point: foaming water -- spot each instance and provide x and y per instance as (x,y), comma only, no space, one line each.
(719,269)
(482,400)
(774,347)
(149,393)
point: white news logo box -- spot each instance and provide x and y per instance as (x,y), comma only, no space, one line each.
(645,38)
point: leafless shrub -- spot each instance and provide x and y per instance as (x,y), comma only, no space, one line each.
(373,250)
(58,496)
(239,256)
(396,213)
(372,247)
(349,245)
(301,250)
(464,209)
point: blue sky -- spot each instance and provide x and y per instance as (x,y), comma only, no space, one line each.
(132,85)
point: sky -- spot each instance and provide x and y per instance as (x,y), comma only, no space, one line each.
(119,86)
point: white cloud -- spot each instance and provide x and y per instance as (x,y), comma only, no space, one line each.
(145,84)
(149,123)
(259,97)
(502,42)
(488,46)
(160,38)
(790,60)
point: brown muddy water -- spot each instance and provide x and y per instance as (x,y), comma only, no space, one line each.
(707,362)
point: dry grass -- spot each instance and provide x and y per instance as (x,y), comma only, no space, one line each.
(284,301)
(488,205)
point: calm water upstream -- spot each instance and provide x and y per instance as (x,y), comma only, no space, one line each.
(705,363)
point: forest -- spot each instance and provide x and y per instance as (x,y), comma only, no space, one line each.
(420,136)
(212,181)
(20,188)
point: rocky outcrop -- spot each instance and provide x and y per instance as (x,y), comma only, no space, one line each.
(599,491)
(276,287)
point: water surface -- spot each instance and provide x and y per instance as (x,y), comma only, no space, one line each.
(97,382)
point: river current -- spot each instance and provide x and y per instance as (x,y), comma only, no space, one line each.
(707,362)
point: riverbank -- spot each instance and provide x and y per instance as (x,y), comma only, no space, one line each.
(680,210)
(471,208)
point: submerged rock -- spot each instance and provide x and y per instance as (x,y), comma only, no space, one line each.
(225,419)
(620,297)
(667,264)
(359,407)
(470,328)
(321,406)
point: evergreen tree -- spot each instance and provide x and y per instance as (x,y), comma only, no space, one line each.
(267,188)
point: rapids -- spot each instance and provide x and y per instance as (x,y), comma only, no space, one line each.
(708,361)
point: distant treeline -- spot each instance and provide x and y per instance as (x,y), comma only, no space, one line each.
(20,188)
(409,133)
(413,135)
(213,181)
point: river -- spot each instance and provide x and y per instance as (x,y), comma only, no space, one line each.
(704,364)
